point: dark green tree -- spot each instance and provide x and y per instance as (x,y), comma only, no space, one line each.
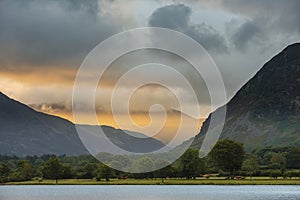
(227,155)
(4,172)
(190,165)
(250,165)
(68,171)
(117,166)
(164,169)
(124,160)
(278,161)
(25,170)
(293,158)
(89,171)
(53,169)
(105,172)
(143,164)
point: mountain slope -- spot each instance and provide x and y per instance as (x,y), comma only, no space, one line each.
(266,110)
(24,131)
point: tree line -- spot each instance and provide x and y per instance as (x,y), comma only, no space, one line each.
(228,158)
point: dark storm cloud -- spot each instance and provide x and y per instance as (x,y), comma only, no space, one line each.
(244,34)
(173,17)
(281,14)
(268,19)
(263,19)
(37,33)
(177,17)
(208,37)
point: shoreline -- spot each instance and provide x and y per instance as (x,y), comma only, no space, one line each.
(160,182)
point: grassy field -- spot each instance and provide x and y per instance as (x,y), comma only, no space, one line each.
(199,181)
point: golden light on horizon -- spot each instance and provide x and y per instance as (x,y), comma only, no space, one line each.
(166,134)
(37,96)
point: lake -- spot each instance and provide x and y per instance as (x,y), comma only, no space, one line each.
(138,192)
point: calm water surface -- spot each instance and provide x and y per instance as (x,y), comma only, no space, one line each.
(149,192)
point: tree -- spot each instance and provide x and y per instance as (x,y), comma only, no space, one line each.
(89,171)
(250,165)
(278,161)
(68,171)
(190,164)
(117,166)
(293,158)
(104,171)
(124,160)
(53,169)
(143,164)
(228,155)
(25,169)
(164,169)
(23,172)
(4,172)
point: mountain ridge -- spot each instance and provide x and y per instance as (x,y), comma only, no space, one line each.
(265,110)
(25,131)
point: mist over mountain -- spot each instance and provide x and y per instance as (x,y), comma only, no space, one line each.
(24,131)
(266,110)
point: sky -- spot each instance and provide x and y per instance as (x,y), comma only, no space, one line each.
(43,43)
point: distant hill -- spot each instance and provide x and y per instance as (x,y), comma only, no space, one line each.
(24,131)
(266,110)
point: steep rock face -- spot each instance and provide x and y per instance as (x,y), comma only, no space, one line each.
(266,110)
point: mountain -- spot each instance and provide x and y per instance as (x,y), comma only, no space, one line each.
(126,140)
(24,131)
(266,110)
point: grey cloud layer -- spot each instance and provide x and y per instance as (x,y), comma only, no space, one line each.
(283,15)
(266,19)
(177,17)
(50,32)
(254,32)
(63,32)
(262,20)
(59,33)
(244,34)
